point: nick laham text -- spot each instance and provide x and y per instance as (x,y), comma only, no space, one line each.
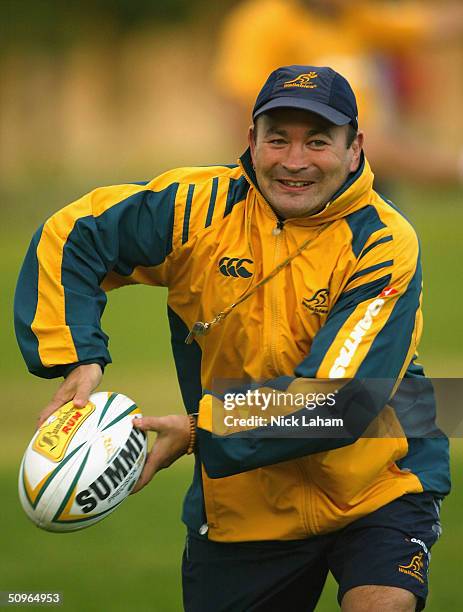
(281,421)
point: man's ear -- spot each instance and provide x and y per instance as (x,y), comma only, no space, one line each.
(252,140)
(356,147)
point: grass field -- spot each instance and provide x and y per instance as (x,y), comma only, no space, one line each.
(131,561)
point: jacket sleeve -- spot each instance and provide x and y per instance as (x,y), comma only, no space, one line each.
(110,237)
(361,352)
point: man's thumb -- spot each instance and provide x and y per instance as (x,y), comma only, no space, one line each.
(80,399)
(148,423)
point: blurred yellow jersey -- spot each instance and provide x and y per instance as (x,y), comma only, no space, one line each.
(261,35)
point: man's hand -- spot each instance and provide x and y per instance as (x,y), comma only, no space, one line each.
(171,443)
(78,387)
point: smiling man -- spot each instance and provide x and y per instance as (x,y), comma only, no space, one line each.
(301,160)
(290,269)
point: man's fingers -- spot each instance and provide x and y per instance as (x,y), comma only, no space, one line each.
(171,443)
(83,389)
(64,395)
(149,470)
(80,400)
(43,416)
(56,403)
(77,388)
(148,423)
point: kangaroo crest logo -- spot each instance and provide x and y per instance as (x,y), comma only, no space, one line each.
(303,80)
(414,568)
(234,266)
(318,303)
(56,434)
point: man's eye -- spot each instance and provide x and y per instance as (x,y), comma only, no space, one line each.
(317,143)
(277,141)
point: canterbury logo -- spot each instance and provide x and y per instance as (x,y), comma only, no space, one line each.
(303,80)
(318,303)
(234,266)
(414,568)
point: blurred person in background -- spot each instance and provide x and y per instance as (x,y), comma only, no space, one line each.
(287,268)
(374,43)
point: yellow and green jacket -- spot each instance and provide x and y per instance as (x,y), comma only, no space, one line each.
(347,306)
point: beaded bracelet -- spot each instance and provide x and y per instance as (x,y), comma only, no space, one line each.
(192,443)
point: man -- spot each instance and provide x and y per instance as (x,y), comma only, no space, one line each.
(288,269)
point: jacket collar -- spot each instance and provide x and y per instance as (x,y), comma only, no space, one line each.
(352,195)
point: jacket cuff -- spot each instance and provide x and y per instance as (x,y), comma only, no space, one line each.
(67,369)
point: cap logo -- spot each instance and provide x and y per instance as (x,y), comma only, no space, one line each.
(303,80)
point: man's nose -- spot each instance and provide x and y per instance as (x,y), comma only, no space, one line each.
(296,159)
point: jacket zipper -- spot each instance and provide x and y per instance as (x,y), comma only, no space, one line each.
(275,299)
(307,505)
(306,501)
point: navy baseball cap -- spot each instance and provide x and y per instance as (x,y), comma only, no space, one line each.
(320,90)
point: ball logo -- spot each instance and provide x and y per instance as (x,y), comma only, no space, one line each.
(109,447)
(234,266)
(49,442)
(55,436)
(71,423)
(116,475)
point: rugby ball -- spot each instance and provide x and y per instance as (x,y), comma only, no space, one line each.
(82,463)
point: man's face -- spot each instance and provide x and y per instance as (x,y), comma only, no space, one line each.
(300,160)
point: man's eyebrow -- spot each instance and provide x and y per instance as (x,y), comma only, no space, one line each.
(322,129)
(273,129)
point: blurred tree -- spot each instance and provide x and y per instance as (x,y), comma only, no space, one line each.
(55,24)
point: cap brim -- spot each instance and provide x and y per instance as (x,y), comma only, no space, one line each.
(312,106)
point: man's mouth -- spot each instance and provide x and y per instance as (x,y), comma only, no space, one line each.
(295,184)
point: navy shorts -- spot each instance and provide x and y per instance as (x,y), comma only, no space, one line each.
(389,547)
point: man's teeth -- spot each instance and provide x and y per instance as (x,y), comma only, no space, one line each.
(297,183)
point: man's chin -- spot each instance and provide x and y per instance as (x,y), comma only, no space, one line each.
(290,211)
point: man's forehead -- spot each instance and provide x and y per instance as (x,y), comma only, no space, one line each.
(281,117)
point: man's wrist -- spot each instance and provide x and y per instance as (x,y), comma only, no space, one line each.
(67,369)
(192,442)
